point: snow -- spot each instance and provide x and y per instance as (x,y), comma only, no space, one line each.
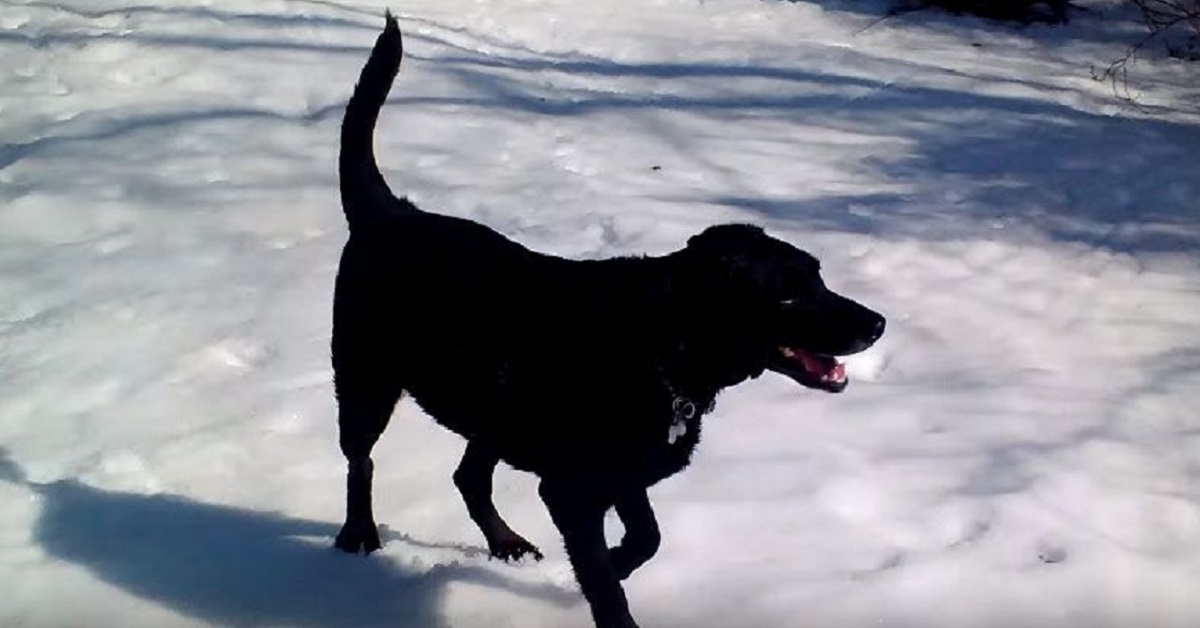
(1022,448)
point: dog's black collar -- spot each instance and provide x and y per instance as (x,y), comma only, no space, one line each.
(686,411)
(685,405)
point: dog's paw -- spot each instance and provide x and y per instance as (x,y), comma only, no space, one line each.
(514,549)
(356,537)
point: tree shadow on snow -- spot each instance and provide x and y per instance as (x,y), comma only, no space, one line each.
(297,18)
(1113,24)
(1118,184)
(973,162)
(231,566)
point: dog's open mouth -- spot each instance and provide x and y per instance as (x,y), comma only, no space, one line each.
(812,370)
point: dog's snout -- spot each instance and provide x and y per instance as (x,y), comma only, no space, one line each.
(877,326)
(868,324)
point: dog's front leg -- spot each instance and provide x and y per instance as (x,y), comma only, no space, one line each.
(579,517)
(641,538)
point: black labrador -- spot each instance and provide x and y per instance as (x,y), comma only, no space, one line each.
(591,374)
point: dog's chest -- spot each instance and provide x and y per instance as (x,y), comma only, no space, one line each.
(675,441)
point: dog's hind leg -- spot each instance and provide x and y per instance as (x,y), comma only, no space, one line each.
(474,480)
(642,537)
(363,412)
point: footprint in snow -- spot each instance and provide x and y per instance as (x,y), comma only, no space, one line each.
(1051,553)
(239,353)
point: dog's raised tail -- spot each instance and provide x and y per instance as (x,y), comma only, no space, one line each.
(362,186)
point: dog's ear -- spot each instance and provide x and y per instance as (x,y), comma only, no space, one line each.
(724,260)
(729,247)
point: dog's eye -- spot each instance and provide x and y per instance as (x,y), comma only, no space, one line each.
(789,302)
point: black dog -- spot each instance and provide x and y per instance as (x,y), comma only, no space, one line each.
(593,375)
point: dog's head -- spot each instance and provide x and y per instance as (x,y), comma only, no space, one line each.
(764,303)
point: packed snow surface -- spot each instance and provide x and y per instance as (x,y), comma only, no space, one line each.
(1022,448)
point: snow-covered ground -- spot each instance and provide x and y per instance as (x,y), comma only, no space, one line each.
(1022,449)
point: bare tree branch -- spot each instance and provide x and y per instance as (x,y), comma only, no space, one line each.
(1174,23)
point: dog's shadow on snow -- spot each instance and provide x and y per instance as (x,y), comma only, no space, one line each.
(231,566)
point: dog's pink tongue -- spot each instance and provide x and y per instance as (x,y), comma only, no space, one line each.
(827,369)
(838,373)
